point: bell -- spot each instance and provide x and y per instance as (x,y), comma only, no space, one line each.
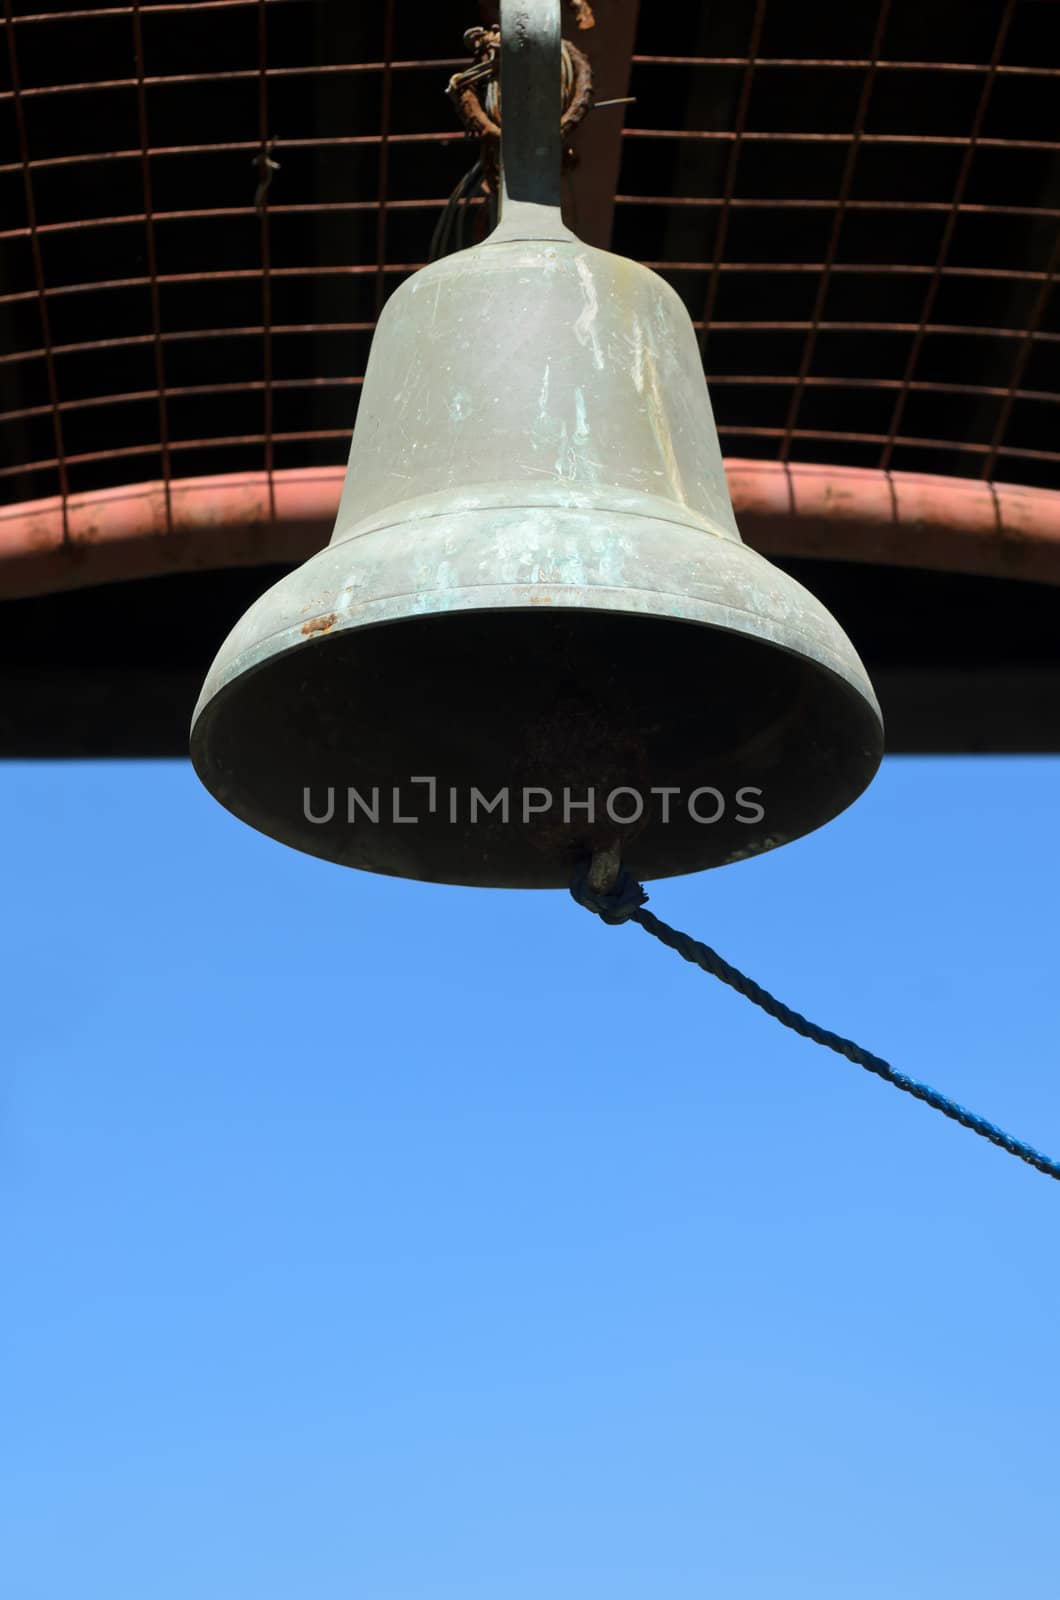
(535,631)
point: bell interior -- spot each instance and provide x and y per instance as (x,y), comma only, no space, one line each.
(319,746)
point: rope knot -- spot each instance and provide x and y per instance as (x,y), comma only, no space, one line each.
(613,906)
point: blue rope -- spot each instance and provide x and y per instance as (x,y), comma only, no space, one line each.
(625,903)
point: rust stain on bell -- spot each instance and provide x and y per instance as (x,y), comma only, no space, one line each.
(320,624)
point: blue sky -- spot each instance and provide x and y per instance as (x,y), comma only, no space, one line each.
(366,1238)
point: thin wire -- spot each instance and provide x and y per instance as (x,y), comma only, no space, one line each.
(736,133)
(120,452)
(1019,365)
(38,270)
(152,264)
(346,269)
(384,156)
(338,380)
(448,217)
(941,259)
(254,331)
(264,160)
(267,167)
(232,75)
(846,183)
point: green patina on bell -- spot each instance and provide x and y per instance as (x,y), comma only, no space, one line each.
(535,586)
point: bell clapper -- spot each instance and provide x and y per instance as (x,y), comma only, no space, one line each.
(604,868)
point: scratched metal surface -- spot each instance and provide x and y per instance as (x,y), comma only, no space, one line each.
(536,524)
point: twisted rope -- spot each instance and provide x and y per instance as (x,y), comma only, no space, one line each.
(624,902)
(480,111)
(476,97)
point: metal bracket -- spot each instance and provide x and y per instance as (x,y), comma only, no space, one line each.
(531,149)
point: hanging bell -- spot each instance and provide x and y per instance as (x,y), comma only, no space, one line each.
(536,630)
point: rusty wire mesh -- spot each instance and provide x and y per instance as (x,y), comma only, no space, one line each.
(858,203)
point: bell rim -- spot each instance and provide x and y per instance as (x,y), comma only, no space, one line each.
(864,714)
(499,598)
(560,563)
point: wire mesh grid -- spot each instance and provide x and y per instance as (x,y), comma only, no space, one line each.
(203,209)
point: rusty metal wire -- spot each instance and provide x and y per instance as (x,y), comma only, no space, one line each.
(946,240)
(152,261)
(47,351)
(867,241)
(384,156)
(838,216)
(267,166)
(721,227)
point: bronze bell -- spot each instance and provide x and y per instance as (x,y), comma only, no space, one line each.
(535,630)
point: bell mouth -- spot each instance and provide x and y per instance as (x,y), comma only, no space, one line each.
(495,747)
